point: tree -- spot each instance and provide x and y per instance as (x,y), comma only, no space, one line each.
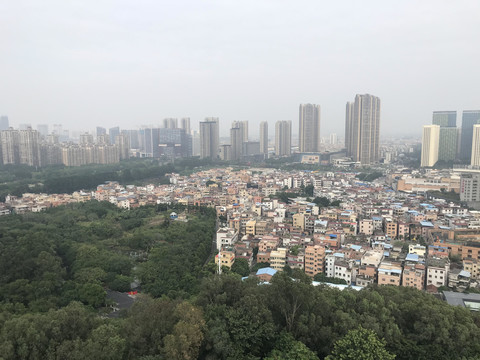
(287,348)
(188,333)
(308,190)
(360,344)
(240,266)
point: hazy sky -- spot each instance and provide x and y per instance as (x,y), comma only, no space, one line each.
(129,63)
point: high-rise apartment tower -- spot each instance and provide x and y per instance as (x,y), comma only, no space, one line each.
(209,138)
(362,129)
(309,128)
(283,138)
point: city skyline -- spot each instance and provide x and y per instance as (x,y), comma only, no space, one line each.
(87,64)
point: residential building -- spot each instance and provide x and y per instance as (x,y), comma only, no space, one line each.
(472,266)
(437,271)
(227,258)
(309,128)
(209,138)
(278,259)
(362,129)
(283,138)
(414,276)
(389,273)
(236,143)
(243,126)
(314,260)
(264,138)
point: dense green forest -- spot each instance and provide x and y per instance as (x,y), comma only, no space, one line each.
(55,267)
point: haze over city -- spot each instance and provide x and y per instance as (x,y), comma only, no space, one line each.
(116,63)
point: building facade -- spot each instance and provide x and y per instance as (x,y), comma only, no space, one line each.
(264,138)
(469,118)
(209,138)
(309,128)
(430,143)
(283,138)
(362,129)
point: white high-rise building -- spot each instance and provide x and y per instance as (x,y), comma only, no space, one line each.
(309,128)
(475,159)
(430,141)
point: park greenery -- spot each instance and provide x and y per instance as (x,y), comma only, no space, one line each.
(56,266)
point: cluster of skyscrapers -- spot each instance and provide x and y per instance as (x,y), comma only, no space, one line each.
(444,141)
(174,138)
(362,134)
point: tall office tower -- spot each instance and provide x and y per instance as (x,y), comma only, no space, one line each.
(29,147)
(123,145)
(309,128)
(112,133)
(86,139)
(4,125)
(283,138)
(444,118)
(100,131)
(42,129)
(333,139)
(447,120)
(243,126)
(209,138)
(430,142)
(469,118)
(363,129)
(185,125)
(170,123)
(10,142)
(264,138)
(236,142)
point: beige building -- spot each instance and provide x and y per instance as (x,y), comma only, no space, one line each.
(430,142)
(278,259)
(299,221)
(314,260)
(250,227)
(471,265)
(414,276)
(389,273)
(227,258)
